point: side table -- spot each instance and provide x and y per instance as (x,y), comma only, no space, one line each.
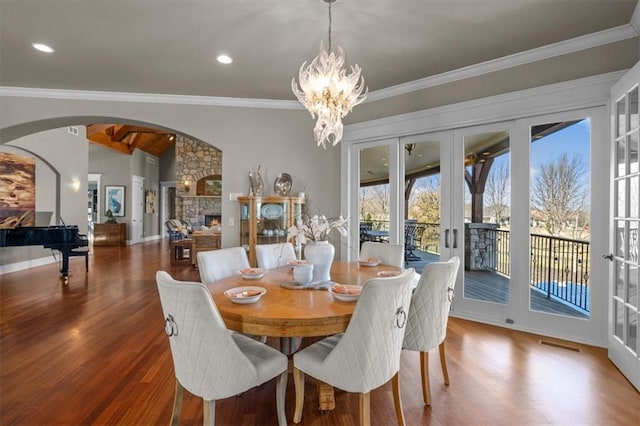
(181,252)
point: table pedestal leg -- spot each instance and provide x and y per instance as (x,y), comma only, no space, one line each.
(326,399)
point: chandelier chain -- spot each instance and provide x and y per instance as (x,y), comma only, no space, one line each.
(330,1)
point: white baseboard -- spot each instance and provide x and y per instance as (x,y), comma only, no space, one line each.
(20,266)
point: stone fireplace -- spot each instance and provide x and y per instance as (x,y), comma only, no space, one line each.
(195,161)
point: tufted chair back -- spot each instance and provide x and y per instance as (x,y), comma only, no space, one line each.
(201,336)
(210,361)
(367,355)
(430,304)
(428,317)
(215,265)
(274,255)
(389,254)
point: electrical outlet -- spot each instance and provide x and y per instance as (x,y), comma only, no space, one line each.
(233,196)
(232,222)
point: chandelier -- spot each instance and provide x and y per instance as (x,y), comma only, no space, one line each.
(328,92)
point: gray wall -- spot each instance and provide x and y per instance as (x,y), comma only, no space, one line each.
(279,140)
(68,155)
(117,168)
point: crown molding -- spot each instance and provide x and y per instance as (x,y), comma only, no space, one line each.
(635,18)
(574,94)
(88,95)
(565,47)
(612,35)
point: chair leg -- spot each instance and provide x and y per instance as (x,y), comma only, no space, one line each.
(281,389)
(298,381)
(209,413)
(177,404)
(365,409)
(443,363)
(424,370)
(395,384)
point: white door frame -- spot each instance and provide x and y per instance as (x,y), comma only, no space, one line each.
(164,214)
(396,206)
(621,350)
(137,209)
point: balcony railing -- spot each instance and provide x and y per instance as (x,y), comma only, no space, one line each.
(559,267)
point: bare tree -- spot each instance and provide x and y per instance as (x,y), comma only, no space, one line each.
(497,191)
(375,202)
(558,192)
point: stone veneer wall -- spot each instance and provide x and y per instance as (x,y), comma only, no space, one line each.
(194,161)
(480,246)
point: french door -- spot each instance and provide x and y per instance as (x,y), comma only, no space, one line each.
(624,349)
(473,192)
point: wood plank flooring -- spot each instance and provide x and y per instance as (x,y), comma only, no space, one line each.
(94,352)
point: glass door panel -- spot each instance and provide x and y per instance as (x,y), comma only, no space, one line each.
(560,195)
(422,202)
(374,195)
(487,202)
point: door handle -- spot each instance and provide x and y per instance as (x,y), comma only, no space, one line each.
(455,238)
(608,256)
(446,238)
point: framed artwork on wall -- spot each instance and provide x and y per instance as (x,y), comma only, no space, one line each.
(150,201)
(213,187)
(115,200)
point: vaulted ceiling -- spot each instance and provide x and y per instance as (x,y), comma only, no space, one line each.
(126,139)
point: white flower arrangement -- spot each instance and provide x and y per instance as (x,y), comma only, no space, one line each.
(316,228)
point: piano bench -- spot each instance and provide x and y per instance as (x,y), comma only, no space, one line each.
(84,253)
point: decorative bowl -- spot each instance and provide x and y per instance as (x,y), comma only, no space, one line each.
(388,274)
(245,295)
(345,293)
(251,273)
(369,261)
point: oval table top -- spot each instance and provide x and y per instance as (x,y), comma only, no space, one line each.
(284,312)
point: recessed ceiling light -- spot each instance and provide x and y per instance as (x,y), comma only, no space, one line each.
(224,59)
(42,47)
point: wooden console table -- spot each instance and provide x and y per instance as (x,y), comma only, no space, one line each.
(110,234)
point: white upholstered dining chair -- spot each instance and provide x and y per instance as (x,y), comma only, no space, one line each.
(210,361)
(428,317)
(389,254)
(367,354)
(215,265)
(274,255)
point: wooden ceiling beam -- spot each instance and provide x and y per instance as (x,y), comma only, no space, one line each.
(104,140)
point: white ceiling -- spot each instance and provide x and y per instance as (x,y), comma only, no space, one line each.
(169,46)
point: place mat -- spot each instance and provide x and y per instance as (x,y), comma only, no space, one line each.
(291,285)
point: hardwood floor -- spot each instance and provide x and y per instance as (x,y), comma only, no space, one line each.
(94,351)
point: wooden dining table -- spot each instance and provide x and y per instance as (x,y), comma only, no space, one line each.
(290,313)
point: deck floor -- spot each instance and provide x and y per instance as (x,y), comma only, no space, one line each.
(494,287)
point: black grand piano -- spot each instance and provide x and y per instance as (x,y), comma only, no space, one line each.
(66,239)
